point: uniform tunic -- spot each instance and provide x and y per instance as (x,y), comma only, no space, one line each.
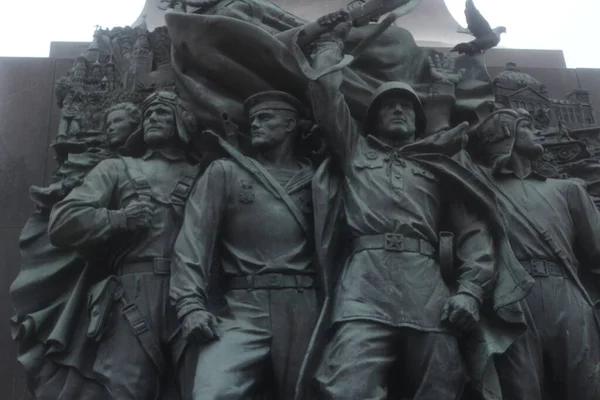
(562,332)
(386,192)
(93,215)
(94,212)
(232,217)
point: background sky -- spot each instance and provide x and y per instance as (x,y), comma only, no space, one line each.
(28,26)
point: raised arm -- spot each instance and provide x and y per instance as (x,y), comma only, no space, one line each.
(329,106)
(474,249)
(195,246)
(83,217)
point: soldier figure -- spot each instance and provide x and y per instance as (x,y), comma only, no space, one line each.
(134,207)
(254,216)
(121,121)
(547,220)
(391,301)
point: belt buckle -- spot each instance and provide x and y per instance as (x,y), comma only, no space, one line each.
(539,268)
(272,281)
(393,242)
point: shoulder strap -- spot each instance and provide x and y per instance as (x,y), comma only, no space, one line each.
(300,180)
(284,196)
(142,331)
(144,192)
(137,178)
(545,236)
(254,167)
(182,190)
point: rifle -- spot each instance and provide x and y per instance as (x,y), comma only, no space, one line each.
(360,15)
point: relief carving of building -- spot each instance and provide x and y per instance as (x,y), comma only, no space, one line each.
(121,64)
(569,128)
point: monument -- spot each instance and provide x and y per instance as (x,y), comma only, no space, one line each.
(272,200)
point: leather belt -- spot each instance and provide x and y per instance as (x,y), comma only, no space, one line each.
(541,268)
(157,266)
(393,242)
(270,281)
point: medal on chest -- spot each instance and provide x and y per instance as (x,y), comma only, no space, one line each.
(246,195)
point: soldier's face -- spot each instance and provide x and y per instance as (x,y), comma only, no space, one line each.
(525,143)
(396,118)
(159,124)
(270,128)
(118,127)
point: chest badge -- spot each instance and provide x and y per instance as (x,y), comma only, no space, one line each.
(246,192)
(424,173)
(371,155)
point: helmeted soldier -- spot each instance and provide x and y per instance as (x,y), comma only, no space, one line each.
(254,216)
(554,231)
(133,205)
(391,301)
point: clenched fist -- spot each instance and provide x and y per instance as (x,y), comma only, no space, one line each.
(461,312)
(139,215)
(200,325)
(334,18)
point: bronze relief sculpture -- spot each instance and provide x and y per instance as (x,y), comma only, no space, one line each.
(291,210)
(552,228)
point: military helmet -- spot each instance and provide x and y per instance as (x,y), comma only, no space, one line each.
(497,135)
(402,90)
(185,122)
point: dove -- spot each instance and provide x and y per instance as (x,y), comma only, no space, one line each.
(485,36)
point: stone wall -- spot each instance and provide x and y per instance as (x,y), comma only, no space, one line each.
(28,121)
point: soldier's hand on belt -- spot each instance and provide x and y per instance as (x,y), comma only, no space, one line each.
(200,325)
(461,311)
(139,215)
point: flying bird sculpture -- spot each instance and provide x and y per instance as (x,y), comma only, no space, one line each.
(485,36)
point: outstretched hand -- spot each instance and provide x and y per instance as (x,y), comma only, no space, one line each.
(443,69)
(452,140)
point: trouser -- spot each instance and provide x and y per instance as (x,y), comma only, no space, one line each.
(358,360)
(264,338)
(559,352)
(129,372)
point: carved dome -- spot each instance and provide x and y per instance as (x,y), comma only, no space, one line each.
(512,75)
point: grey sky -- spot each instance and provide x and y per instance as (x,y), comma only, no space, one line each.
(571,26)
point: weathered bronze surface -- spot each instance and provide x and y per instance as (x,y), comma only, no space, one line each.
(249,205)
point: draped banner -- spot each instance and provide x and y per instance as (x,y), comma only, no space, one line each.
(220,60)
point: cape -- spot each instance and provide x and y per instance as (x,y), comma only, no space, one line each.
(50,326)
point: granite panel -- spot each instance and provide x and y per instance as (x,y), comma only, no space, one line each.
(12,376)
(25,97)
